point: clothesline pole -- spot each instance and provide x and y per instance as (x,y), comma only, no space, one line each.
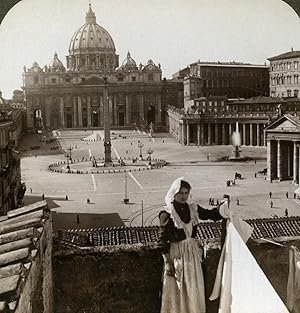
(273,242)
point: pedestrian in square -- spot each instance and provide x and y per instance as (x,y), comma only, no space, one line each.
(271,204)
(286,213)
(287,194)
(270,194)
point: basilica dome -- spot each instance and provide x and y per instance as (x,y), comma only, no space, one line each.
(92,45)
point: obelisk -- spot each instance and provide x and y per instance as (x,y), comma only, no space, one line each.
(107,142)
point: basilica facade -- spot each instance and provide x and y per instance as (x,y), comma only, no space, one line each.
(72,96)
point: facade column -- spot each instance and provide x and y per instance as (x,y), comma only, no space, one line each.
(264,136)
(115,110)
(198,135)
(141,105)
(279,160)
(251,134)
(298,166)
(216,134)
(229,133)
(188,134)
(244,134)
(202,134)
(294,162)
(127,113)
(257,134)
(62,113)
(101,110)
(79,112)
(89,118)
(47,112)
(158,102)
(209,133)
(74,112)
(223,134)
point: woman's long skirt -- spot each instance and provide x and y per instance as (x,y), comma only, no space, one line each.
(185,292)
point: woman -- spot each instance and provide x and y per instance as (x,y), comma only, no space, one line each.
(183,284)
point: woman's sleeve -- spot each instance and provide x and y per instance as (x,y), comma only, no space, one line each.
(163,242)
(213,214)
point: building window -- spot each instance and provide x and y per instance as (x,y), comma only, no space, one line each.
(296,91)
(120,78)
(210,103)
(133,78)
(295,65)
(67,79)
(296,79)
(53,80)
(150,76)
(35,79)
(289,65)
(289,93)
(83,79)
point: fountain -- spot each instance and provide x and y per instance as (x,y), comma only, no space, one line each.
(236,142)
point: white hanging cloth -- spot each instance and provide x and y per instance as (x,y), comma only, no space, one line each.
(245,288)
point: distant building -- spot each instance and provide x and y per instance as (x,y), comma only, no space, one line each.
(212,120)
(230,79)
(72,96)
(284,74)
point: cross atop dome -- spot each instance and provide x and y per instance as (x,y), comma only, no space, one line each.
(90,17)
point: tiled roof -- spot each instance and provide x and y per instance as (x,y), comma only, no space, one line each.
(286,55)
(263,228)
(20,230)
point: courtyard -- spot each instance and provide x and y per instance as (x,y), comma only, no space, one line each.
(67,194)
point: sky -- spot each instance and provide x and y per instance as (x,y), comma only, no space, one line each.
(174,33)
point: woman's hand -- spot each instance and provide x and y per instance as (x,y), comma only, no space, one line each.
(169,269)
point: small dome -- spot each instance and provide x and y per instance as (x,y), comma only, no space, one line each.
(35,67)
(129,62)
(56,64)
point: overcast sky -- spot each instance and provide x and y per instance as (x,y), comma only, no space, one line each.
(173,33)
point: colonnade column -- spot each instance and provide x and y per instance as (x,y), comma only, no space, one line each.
(279,160)
(180,133)
(244,134)
(209,134)
(101,110)
(202,134)
(264,135)
(74,112)
(257,134)
(223,134)
(198,134)
(229,133)
(79,112)
(251,134)
(188,134)
(88,104)
(294,162)
(183,129)
(62,113)
(298,166)
(216,134)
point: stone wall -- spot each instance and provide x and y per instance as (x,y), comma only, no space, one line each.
(128,279)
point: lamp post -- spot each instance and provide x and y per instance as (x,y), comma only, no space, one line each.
(68,155)
(150,151)
(140,145)
(125,200)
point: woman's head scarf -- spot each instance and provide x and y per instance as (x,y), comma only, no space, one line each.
(175,187)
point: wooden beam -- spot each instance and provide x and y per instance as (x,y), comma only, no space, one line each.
(9,284)
(18,235)
(26,209)
(24,217)
(20,225)
(10,270)
(14,256)
(16,245)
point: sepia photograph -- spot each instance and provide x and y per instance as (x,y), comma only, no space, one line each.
(149,156)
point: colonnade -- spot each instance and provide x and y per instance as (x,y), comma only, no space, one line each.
(219,133)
